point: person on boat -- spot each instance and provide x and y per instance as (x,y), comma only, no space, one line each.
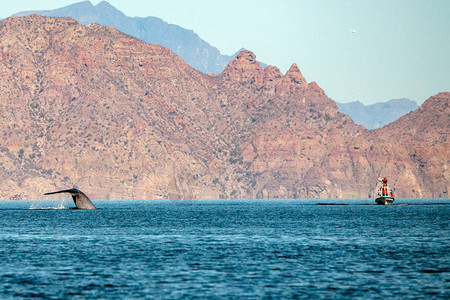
(384,191)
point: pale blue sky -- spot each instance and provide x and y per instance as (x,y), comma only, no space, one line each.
(401,48)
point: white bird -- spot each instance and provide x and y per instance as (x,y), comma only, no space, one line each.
(352,30)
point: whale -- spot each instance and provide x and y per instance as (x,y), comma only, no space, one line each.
(81,200)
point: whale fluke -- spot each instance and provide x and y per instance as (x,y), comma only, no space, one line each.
(81,200)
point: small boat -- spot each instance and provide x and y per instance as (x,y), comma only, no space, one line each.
(385,196)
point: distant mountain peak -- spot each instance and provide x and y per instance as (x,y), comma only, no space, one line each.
(83,3)
(244,68)
(313,86)
(106,6)
(295,76)
(271,75)
(379,114)
(246,55)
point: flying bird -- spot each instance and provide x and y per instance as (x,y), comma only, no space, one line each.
(81,200)
(353,30)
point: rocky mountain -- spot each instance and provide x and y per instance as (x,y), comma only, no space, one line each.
(202,56)
(413,152)
(379,114)
(92,107)
(184,43)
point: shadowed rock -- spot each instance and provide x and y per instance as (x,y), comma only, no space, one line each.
(81,200)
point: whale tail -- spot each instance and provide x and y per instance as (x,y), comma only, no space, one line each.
(81,200)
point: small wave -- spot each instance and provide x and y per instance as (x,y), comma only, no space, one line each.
(38,205)
(49,208)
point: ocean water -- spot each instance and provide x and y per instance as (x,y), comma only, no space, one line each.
(248,249)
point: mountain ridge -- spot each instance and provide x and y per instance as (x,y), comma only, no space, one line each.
(196,52)
(183,42)
(379,114)
(92,107)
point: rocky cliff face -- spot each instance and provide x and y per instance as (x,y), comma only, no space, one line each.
(91,107)
(413,152)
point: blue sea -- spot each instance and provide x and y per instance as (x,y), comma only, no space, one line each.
(226,249)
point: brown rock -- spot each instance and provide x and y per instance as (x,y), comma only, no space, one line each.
(121,119)
(292,81)
(272,76)
(244,68)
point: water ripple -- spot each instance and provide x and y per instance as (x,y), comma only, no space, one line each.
(219,249)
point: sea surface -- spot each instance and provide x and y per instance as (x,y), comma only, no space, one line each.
(249,249)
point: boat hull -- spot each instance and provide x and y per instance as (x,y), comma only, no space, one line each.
(385,200)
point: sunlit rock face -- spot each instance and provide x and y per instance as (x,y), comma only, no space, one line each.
(91,107)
